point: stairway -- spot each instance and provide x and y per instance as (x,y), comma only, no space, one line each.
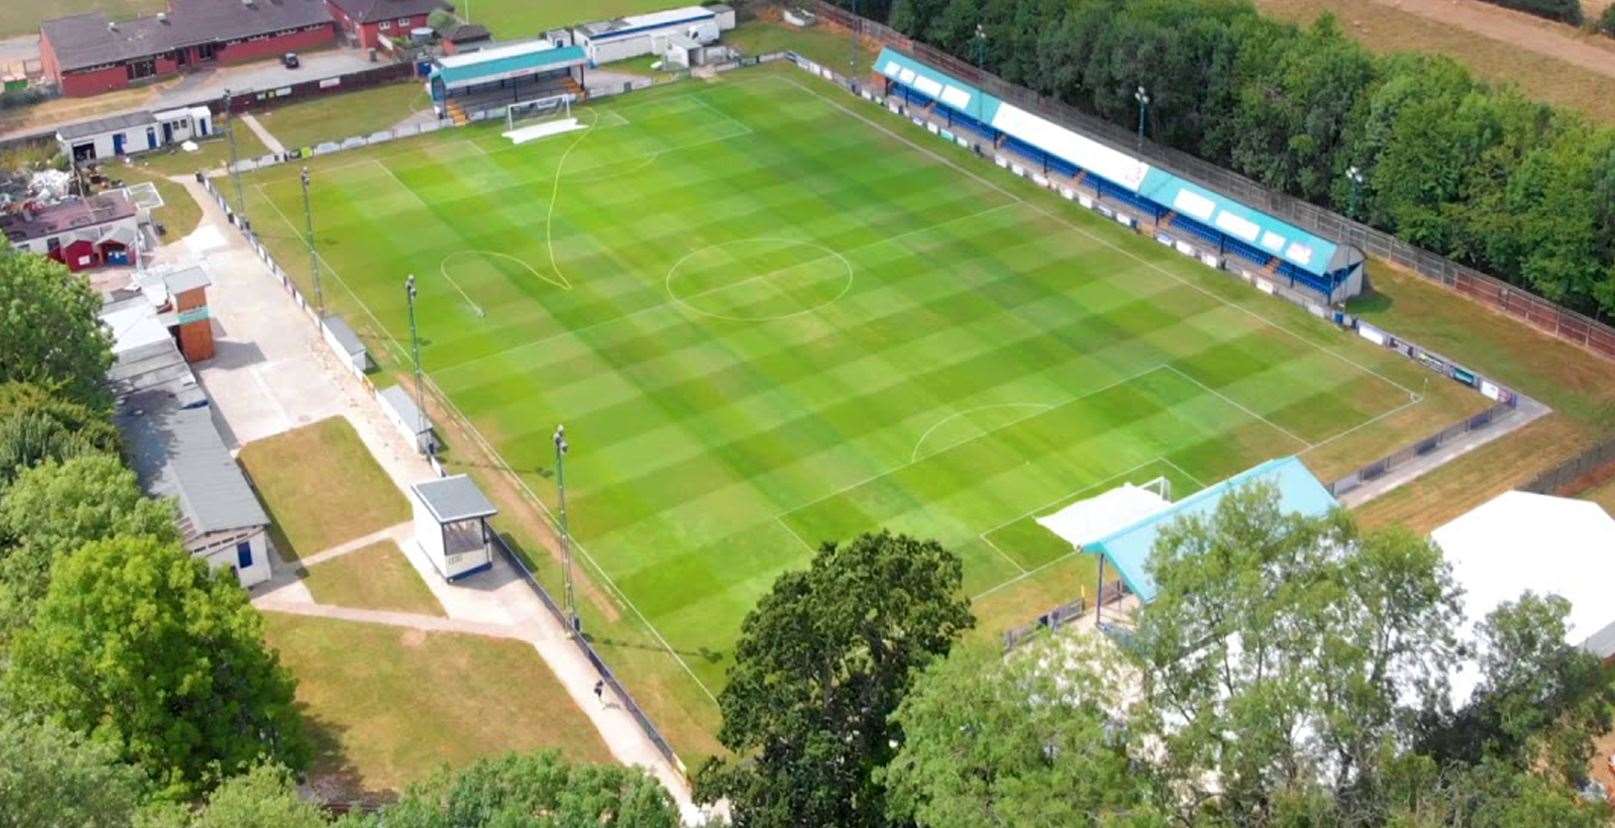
(572,88)
(1272,268)
(1165,221)
(456,113)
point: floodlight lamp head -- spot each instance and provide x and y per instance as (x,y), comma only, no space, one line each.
(560,439)
(409,286)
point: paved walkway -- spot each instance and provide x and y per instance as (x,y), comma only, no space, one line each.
(263,134)
(273,373)
(410,620)
(396,533)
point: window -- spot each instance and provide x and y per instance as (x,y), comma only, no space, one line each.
(386,24)
(244,554)
(403,22)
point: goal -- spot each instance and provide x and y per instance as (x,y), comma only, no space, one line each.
(527,113)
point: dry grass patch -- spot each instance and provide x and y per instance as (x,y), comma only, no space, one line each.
(387,706)
(321,487)
(378,576)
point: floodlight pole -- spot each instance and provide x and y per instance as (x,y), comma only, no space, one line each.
(857,25)
(313,255)
(1355,176)
(415,347)
(1143,98)
(566,533)
(981,47)
(235,159)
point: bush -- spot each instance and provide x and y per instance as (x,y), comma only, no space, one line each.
(1606,24)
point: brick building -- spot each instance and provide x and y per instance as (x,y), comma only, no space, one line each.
(82,233)
(87,54)
(365,22)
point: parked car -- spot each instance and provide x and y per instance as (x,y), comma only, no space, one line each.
(290,61)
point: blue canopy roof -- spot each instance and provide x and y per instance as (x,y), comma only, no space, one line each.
(1261,231)
(504,62)
(1128,549)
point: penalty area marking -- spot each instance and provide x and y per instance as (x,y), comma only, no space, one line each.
(684,301)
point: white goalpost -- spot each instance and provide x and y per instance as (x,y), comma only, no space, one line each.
(539,118)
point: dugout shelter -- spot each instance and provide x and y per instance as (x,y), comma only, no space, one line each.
(451,525)
(484,83)
(1213,227)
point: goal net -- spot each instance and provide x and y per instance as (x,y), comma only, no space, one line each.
(531,120)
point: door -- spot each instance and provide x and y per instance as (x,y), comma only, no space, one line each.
(117,143)
(151,137)
(168,133)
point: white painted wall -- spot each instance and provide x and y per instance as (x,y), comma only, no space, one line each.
(227,557)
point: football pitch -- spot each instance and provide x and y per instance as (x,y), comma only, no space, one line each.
(771,315)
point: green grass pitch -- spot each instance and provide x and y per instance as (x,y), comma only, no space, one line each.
(771,315)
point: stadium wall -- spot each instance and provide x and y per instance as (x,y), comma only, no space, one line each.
(1491,292)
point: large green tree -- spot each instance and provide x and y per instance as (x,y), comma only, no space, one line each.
(144,648)
(54,509)
(37,425)
(1281,656)
(536,789)
(1028,740)
(822,661)
(52,333)
(263,797)
(51,776)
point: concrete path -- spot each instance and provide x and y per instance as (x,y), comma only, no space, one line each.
(263,134)
(410,620)
(274,373)
(1527,412)
(396,534)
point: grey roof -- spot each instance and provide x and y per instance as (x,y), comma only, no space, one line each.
(452,499)
(396,398)
(102,126)
(1602,643)
(84,40)
(72,214)
(184,279)
(469,33)
(370,11)
(177,452)
(344,335)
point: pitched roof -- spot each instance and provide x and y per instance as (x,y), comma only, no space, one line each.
(370,11)
(468,33)
(177,452)
(513,60)
(72,214)
(90,39)
(453,499)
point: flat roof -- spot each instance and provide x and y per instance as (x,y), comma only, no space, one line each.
(633,24)
(452,499)
(402,404)
(103,126)
(1128,549)
(345,336)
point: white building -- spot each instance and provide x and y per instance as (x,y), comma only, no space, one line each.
(608,41)
(133,133)
(400,408)
(1518,542)
(82,233)
(344,341)
(451,525)
(177,453)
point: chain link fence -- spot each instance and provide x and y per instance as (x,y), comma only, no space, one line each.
(1562,323)
(1560,478)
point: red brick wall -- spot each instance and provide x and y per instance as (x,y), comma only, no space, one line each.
(250,50)
(370,33)
(84,84)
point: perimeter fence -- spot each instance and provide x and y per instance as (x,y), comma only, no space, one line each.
(1560,322)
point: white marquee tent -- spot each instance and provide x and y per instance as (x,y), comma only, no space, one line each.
(1520,541)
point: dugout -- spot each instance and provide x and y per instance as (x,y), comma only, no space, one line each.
(451,526)
(478,84)
(1217,229)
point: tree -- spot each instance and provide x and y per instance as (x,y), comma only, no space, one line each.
(55,508)
(140,645)
(53,332)
(537,789)
(51,776)
(1541,702)
(263,797)
(1035,739)
(822,661)
(35,426)
(1282,653)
